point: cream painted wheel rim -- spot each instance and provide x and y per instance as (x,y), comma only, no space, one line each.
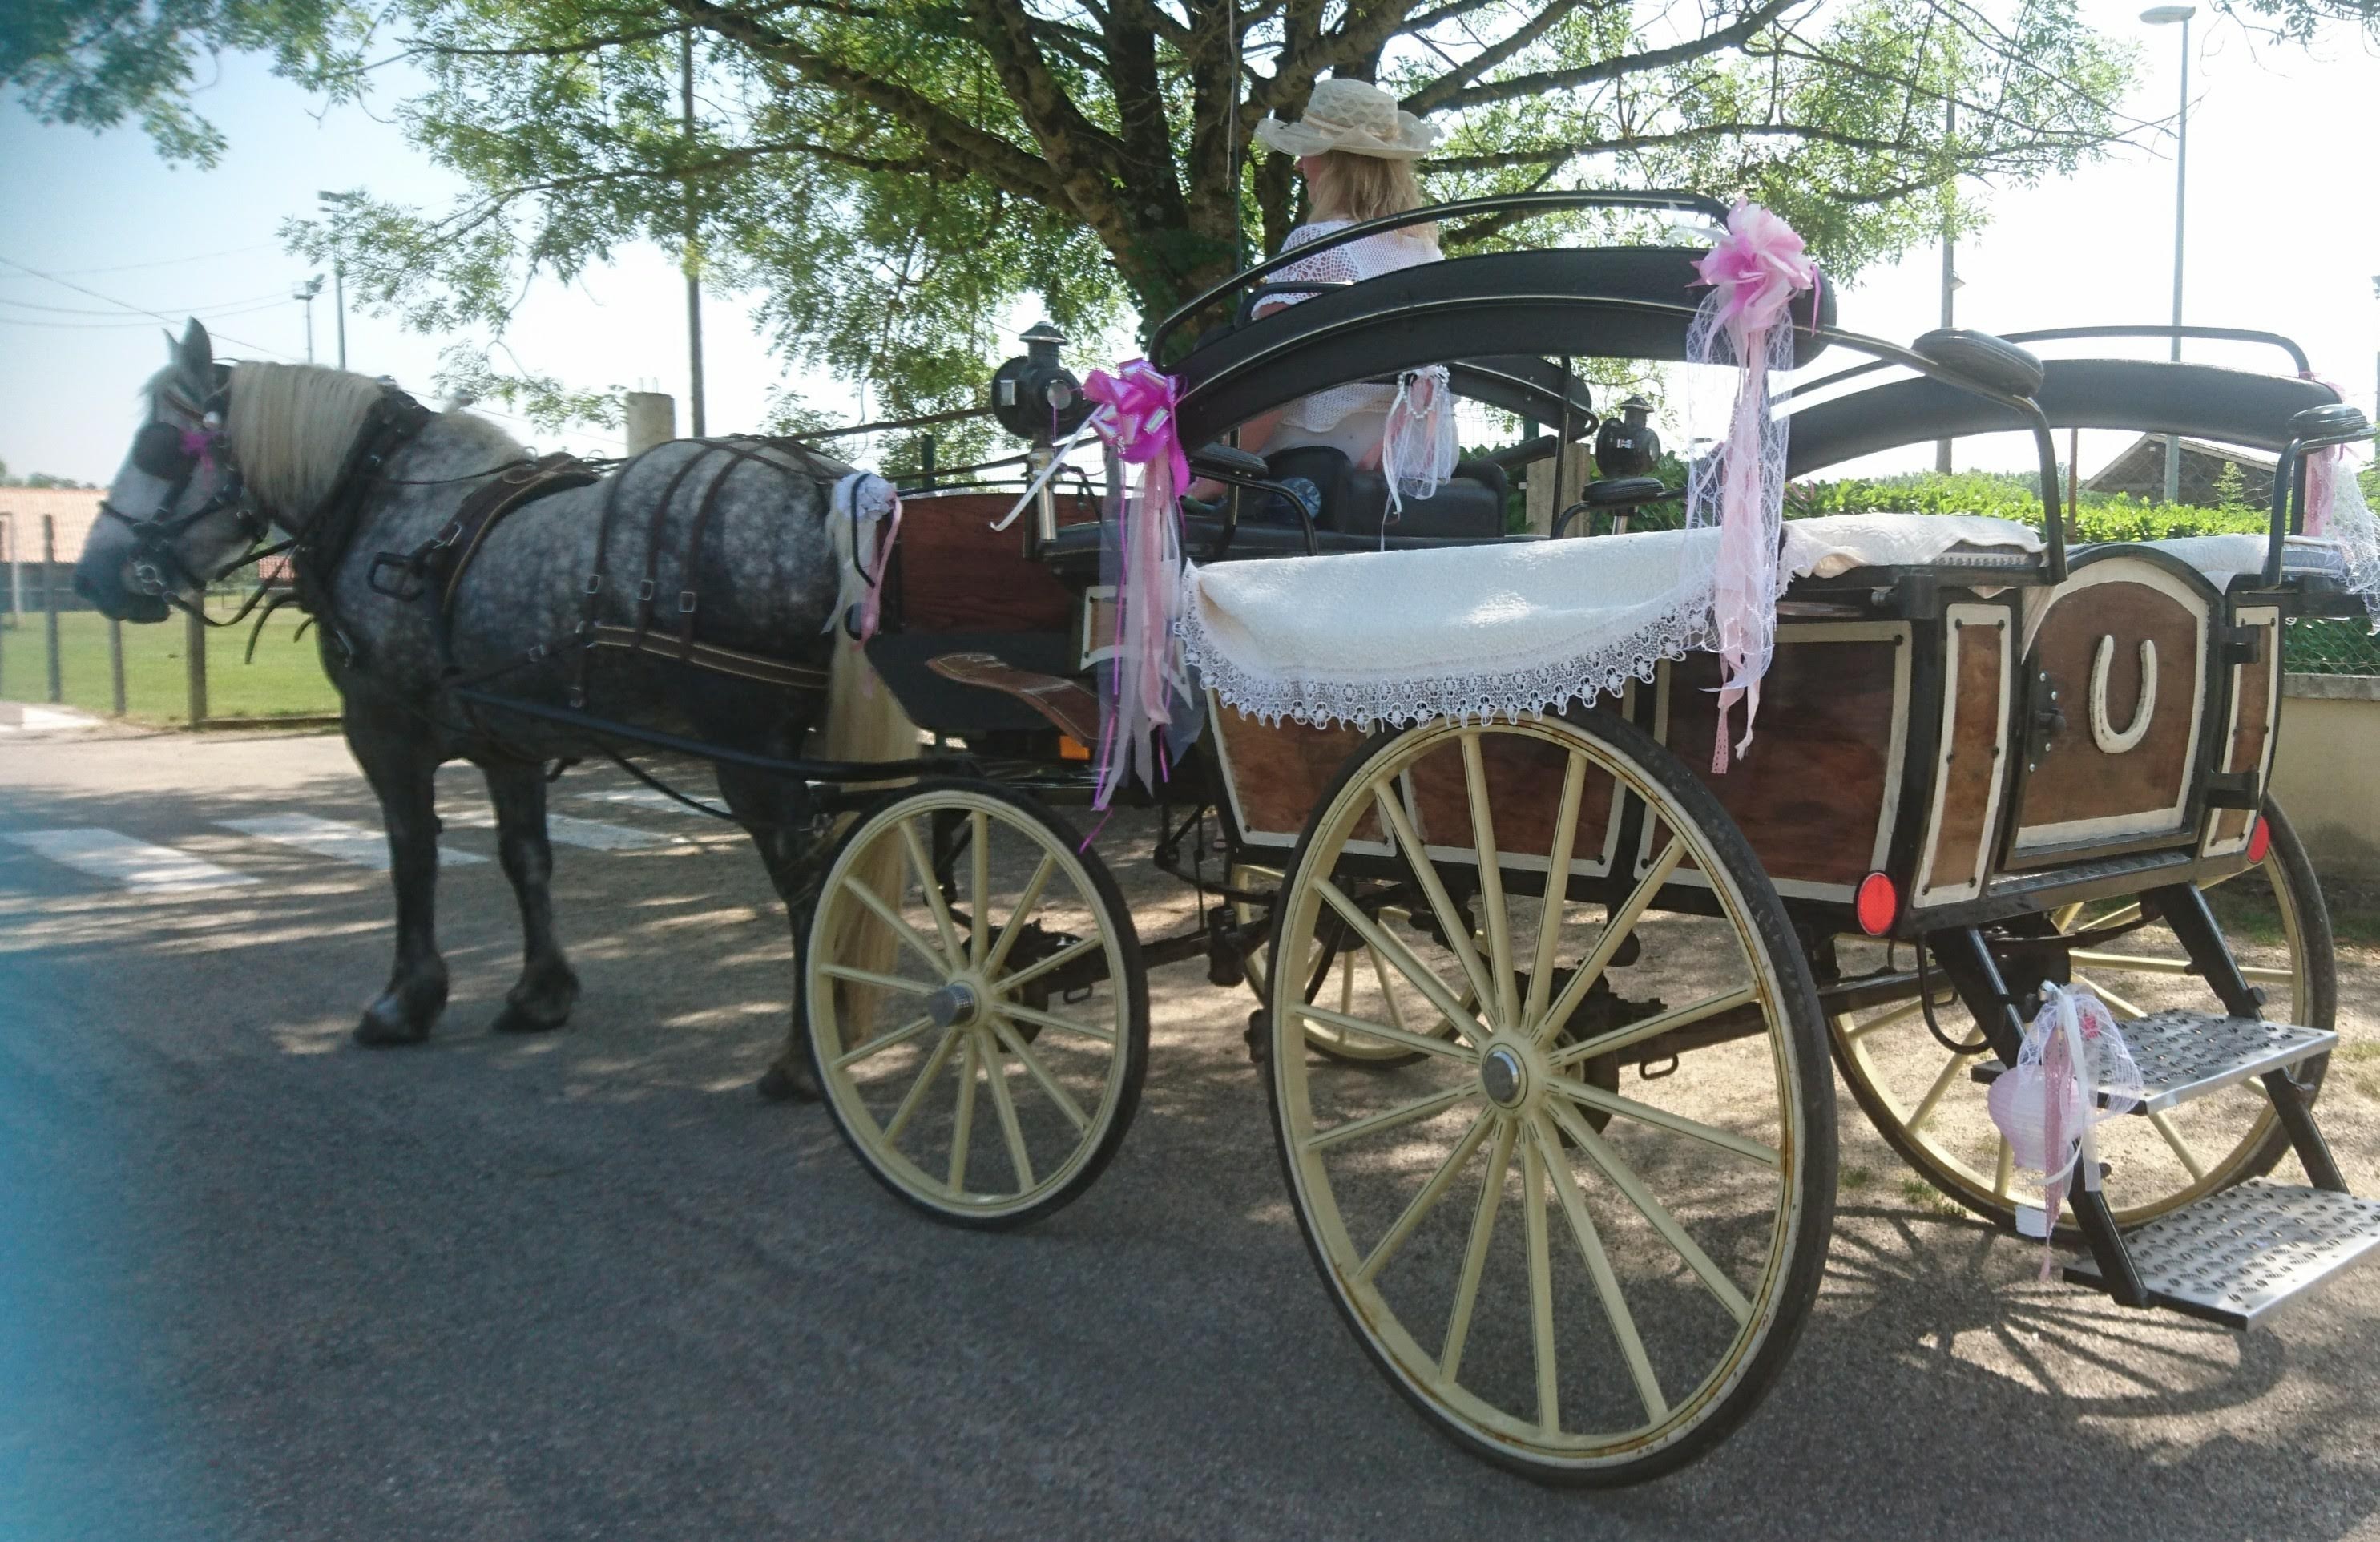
(1567,1300)
(1923,1094)
(950,1077)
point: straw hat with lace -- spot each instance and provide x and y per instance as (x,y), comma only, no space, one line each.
(1353,115)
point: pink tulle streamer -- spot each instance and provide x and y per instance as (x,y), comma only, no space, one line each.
(2322,475)
(1754,273)
(1135,416)
(872,602)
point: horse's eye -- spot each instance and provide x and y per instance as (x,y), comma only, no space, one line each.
(157,449)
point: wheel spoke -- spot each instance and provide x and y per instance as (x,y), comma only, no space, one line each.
(1900,1013)
(1616,930)
(2004,1172)
(1958,1059)
(926,1074)
(1016,918)
(1388,1119)
(869,976)
(1365,1028)
(1541,1290)
(1017,1046)
(2123,915)
(1549,909)
(1451,921)
(2263,976)
(1598,1266)
(1401,959)
(1380,973)
(900,929)
(2162,1124)
(1431,1191)
(1041,966)
(1017,1013)
(1676,1123)
(901,1035)
(1632,1184)
(1474,1254)
(2135,962)
(1652,1027)
(1491,881)
(980,839)
(1020,1162)
(926,880)
(964,1125)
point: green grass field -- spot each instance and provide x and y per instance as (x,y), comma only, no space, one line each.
(285,679)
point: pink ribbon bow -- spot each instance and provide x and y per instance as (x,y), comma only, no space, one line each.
(199,445)
(1754,273)
(1135,415)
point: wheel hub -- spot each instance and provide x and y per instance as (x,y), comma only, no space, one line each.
(955,1003)
(1505,1076)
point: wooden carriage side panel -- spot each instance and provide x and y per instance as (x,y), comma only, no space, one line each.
(960,575)
(1972,755)
(2253,725)
(1524,785)
(1817,792)
(2092,783)
(1276,773)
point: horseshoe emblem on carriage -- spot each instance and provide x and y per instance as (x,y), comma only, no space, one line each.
(2110,739)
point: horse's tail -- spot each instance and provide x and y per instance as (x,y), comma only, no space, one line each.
(863,721)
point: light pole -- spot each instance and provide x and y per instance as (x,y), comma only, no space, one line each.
(330,201)
(304,294)
(2166,16)
(1951,281)
(692,252)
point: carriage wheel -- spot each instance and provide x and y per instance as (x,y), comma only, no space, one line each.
(990,979)
(1920,1099)
(1338,961)
(1661,1261)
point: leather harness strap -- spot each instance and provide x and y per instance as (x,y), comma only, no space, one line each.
(710,656)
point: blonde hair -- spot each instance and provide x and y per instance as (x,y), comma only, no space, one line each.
(1362,187)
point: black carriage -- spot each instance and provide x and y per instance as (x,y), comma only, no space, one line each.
(1564,1151)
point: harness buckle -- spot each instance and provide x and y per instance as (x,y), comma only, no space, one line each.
(645,592)
(410,581)
(594,584)
(537,654)
(685,602)
(450,535)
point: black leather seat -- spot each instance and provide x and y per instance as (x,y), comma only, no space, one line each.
(1468,506)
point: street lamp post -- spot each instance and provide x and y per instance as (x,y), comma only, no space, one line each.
(2166,16)
(338,273)
(303,295)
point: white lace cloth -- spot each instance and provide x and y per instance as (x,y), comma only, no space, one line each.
(1391,251)
(2223,557)
(1507,629)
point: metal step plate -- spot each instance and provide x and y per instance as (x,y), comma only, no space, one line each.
(2233,1256)
(2189,1054)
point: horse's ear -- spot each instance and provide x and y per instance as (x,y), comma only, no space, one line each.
(195,358)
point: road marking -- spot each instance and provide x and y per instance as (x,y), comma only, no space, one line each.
(334,838)
(570,832)
(134,864)
(640,797)
(45,720)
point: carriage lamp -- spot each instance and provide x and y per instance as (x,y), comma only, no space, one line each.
(1034,396)
(1875,904)
(1627,445)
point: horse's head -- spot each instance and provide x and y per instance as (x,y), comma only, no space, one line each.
(178,512)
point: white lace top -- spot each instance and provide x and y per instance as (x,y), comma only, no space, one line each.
(1388,252)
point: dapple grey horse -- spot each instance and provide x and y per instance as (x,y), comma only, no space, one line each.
(231,452)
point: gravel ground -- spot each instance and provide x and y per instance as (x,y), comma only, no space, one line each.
(255,1282)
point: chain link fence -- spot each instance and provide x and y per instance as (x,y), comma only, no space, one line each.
(2323,647)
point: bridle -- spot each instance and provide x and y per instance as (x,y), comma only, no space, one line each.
(175,455)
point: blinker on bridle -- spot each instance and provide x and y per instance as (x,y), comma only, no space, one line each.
(175,455)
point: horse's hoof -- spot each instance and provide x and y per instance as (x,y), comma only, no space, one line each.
(379,1032)
(778,1085)
(517,1018)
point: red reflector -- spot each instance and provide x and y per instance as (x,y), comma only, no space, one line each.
(1876,904)
(2260,840)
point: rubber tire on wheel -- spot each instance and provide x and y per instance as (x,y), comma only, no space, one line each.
(989,1040)
(1791,1225)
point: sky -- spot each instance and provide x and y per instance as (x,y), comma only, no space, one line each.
(2283,235)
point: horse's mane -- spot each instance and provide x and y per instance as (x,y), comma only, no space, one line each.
(292,425)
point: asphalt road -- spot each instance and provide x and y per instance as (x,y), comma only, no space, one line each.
(256,1282)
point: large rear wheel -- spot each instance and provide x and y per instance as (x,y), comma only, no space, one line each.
(1918,1092)
(1583,1285)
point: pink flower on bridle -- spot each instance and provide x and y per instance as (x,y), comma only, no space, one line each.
(1754,273)
(1135,414)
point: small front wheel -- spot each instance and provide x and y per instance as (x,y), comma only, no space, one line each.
(977,1003)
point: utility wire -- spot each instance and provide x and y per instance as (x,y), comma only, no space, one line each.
(168,261)
(275,295)
(138,310)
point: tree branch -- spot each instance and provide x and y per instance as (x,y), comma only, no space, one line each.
(1620,64)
